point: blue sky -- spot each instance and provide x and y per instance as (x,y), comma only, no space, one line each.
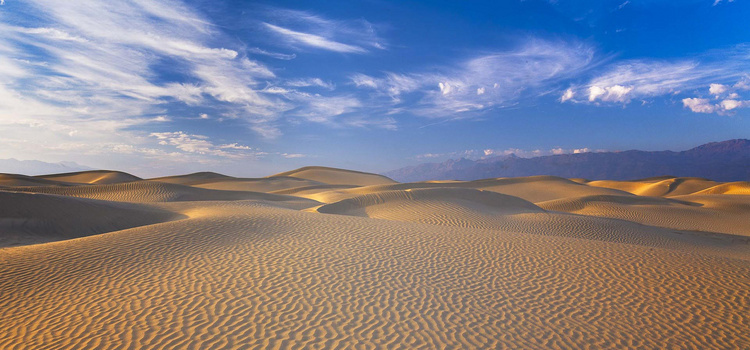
(251,88)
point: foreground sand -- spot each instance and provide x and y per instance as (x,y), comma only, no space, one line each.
(326,258)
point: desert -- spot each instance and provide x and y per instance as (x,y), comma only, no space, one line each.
(330,258)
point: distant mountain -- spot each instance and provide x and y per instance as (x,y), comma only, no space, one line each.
(36,167)
(719,161)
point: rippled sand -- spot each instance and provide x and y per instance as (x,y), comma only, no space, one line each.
(339,259)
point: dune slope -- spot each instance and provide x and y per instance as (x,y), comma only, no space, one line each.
(252,276)
(98,177)
(334,176)
(148,192)
(27,218)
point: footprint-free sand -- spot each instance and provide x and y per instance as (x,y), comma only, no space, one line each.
(321,258)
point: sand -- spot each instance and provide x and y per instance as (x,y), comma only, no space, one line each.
(342,259)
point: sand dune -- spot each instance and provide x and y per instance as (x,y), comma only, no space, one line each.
(148,191)
(661,186)
(682,214)
(533,189)
(27,218)
(14,180)
(98,177)
(193,179)
(268,184)
(333,176)
(728,188)
(214,262)
(475,209)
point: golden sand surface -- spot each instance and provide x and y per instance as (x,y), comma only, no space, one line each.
(322,258)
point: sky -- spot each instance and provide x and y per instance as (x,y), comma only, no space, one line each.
(251,88)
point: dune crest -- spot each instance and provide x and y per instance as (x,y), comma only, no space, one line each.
(334,176)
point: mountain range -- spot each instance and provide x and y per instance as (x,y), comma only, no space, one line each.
(719,161)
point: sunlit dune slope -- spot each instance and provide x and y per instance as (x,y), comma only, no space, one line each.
(150,191)
(98,177)
(246,275)
(333,176)
(684,214)
(661,186)
(193,179)
(475,209)
(533,189)
(742,187)
(266,184)
(474,200)
(27,218)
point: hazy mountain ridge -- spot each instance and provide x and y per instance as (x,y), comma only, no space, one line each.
(37,167)
(720,161)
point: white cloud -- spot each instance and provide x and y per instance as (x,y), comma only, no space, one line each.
(521,153)
(729,105)
(567,95)
(321,109)
(162,119)
(364,80)
(293,155)
(52,33)
(480,91)
(200,144)
(699,105)
(311,82)
(716,2)
(314,40)
(235,146)
(731,101)
(717,89)
(280,56)
(616,93)
(445,88)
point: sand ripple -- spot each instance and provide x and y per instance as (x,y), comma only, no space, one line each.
(262,277)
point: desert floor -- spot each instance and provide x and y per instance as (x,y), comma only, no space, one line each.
(328,258)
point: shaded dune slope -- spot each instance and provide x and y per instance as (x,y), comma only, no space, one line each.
(15,180)
(27,218)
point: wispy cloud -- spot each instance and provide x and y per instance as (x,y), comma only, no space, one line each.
(314,40)
(281,56)
(486,81)
(304,29)
(101,74)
